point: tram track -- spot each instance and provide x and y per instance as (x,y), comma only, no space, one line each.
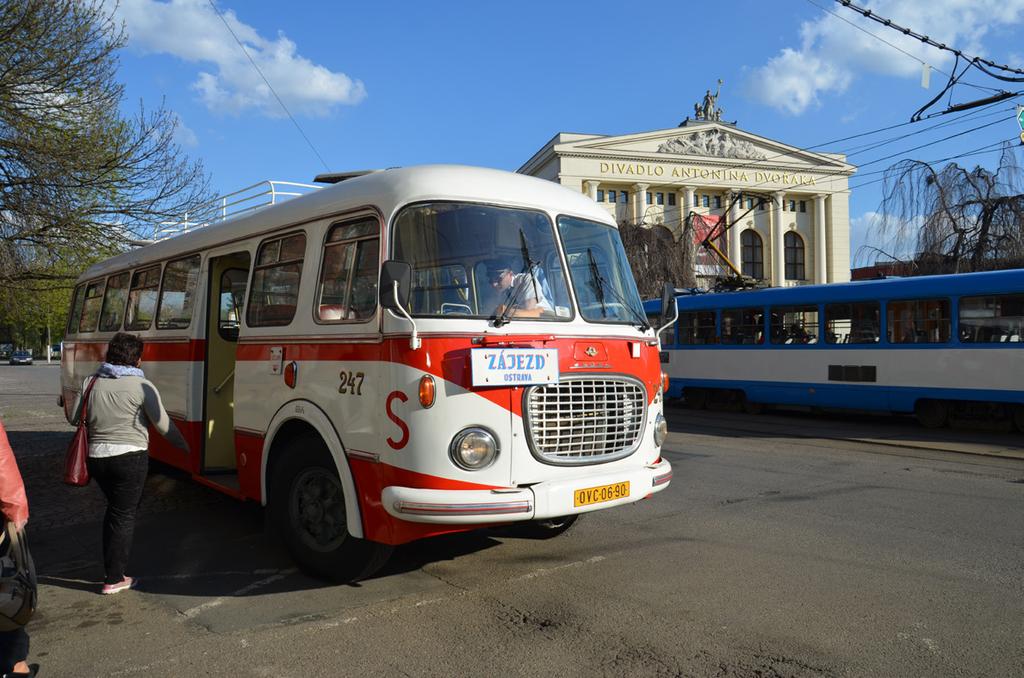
(888,435)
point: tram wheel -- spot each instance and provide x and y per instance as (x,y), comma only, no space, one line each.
(546,529)
(307,506)
(1018,417)
(751,407)
(931,413)
(697,398)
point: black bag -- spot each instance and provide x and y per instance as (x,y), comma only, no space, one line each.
(18,593)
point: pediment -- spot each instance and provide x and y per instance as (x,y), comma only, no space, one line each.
(704,141)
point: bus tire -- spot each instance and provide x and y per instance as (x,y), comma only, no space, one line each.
(307,507)
(546,529)
(931,413)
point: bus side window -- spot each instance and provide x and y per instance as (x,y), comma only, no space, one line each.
(91,307)
(76,309)
(232,296)
(275,281)
(348,274)
(178,294)
(142,299)
(113,302)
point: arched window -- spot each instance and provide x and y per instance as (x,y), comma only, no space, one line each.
(753,254)
(794,256)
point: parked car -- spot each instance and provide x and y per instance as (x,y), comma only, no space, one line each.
(21,358)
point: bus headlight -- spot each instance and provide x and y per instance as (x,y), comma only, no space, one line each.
(473,449)
(660,429)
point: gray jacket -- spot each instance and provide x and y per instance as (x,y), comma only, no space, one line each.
(119,410)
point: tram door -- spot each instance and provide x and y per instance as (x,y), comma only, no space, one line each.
(228,276)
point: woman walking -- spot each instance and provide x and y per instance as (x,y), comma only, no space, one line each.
(13,516)
(121,404)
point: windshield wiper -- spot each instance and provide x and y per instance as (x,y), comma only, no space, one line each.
(506,312)
(598,283)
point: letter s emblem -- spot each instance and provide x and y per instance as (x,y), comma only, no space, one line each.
(404,440)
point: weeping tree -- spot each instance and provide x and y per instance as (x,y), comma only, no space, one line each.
(953,219)
(79,179)
(656,257)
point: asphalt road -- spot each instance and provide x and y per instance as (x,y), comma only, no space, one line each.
(785,546)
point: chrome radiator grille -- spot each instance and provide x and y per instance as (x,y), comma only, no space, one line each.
(585,420)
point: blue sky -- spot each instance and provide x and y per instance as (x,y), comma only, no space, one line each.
(388,84)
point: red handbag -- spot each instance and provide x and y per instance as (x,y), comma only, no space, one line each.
(76,473)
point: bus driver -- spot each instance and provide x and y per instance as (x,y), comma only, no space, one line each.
(525,291)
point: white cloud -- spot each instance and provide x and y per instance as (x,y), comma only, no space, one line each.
(192,31)
(832,52)
(183,136)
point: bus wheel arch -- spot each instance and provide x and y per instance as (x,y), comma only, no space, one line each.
(299,418)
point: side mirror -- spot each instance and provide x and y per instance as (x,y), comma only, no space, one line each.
(669,309)
(667,300)
(391,272)
(395,290)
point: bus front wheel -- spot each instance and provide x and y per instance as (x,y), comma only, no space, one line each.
(307,506)
(546,529)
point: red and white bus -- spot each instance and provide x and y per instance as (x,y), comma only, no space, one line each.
(402,354)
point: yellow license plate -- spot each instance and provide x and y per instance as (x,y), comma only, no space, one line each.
(602,493)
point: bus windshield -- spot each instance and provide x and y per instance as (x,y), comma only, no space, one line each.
(604,284)
(481,261)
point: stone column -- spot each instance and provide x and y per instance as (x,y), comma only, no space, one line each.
(735,248)
(639,201)
(685,206)
(590,188)
(820,248)
(778,246)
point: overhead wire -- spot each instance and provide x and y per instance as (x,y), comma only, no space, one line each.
(271,87)
(895,47)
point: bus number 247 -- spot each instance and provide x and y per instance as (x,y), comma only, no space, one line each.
(351,383)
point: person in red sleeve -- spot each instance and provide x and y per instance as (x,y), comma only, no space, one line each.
(14,507)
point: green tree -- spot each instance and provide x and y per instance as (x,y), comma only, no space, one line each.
(79,180)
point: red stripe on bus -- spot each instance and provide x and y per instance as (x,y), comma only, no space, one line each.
(449,358)
(187,350)
(379,525)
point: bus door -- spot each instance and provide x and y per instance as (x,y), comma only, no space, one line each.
(227,284)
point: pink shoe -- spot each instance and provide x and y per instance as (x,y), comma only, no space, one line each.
(123,585)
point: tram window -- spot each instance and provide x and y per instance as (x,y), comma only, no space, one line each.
(743,326)
(923,321)
(178,294)
(994,319)
(852,323)
(794,324)
(91,307)
(348,276)
(697,327)
(76,309)
(142,299)
(275,281)
(113,302)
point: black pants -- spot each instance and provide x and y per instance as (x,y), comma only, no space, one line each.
(13,649)
(121,478)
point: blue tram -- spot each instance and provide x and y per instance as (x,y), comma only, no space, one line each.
(932,345)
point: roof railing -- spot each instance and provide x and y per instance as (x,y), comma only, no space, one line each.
(248,199)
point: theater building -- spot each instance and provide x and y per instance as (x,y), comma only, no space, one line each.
(790,206)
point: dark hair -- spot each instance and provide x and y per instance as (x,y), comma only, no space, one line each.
(124,349)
